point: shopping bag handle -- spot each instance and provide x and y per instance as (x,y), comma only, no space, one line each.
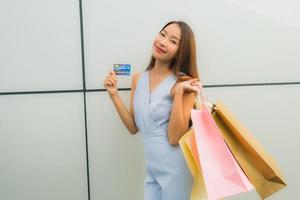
(202,98)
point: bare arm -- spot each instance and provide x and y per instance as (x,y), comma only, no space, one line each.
(183,102)
(126,115)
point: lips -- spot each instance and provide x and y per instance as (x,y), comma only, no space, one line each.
(159,50)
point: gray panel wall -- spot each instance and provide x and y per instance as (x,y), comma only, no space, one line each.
(61,137)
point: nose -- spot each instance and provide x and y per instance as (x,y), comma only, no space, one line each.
(163,42)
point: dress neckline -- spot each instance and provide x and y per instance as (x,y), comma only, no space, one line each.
(158,85)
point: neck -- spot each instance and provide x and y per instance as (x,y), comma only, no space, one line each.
(161,67)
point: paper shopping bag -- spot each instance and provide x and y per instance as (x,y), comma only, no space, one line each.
(222,175)
(260,168)
(189,149)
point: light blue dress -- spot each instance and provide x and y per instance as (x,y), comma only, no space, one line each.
(167,174)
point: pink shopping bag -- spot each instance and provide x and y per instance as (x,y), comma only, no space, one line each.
(223,176)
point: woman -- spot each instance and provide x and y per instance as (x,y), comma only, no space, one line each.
(162,97)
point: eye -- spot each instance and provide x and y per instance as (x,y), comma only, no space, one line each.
(161,33)
(173,41)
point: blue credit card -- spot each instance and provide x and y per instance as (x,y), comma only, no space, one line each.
(122,69)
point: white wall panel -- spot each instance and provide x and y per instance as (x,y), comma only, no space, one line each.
(246,41)
(116,156)
(122,32)
(42,147)
(237,42)
(40,45)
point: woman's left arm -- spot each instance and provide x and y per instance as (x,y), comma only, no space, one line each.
(183,102)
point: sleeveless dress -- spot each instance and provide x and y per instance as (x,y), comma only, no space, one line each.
(167,174)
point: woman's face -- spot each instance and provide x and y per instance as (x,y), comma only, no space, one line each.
(166,43)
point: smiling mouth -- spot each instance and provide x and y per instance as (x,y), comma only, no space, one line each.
(159,50)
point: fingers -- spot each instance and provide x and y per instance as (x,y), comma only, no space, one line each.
(192,89)
(109,82)
(195,81)
(196,85)
(112,72)
(111,79)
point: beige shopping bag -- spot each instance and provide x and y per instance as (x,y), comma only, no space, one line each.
(261,169)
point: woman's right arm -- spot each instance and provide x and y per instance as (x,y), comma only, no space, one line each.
(126,116)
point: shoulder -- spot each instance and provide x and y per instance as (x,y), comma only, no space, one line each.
(179,79)
(135,78)
(136,75)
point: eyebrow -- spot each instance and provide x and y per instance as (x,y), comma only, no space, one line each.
(172,35)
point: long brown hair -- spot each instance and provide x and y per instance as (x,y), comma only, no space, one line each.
(186,55)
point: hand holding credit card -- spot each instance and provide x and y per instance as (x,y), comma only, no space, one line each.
(122,69)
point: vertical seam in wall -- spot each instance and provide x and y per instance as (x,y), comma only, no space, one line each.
(84,99)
